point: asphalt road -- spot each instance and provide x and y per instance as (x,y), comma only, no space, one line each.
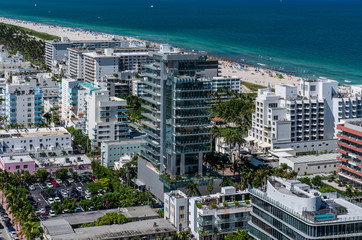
(4,234)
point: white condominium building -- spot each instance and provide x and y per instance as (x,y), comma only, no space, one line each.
(230,83)
(105,117)
(35,141)
(73,94)
(305,121)
(208,216)
(58,49)
(23,104)
(98,64)
(128,60)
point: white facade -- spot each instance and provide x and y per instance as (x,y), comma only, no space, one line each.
(225,211)
(105,117)
(311,164)
(58,49)
(35,141)
(98,64)
(231,83)
(176,209)
(308,118)
(72,101)
(23,104)
(113,152)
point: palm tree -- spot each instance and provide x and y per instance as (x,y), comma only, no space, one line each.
(202,233)
(239,140)
(181,236)
(216,232)
(192,189)
(226,181)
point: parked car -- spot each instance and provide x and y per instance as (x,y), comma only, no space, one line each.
(88,197)
(70,180)
(77,209)
(57,199)
(67,183)
(32,187)
(52,213)
(79,189)
(65,195)
(51,200)
(49,185)
(45,214)
(59,181)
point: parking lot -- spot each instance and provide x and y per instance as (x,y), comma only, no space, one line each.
(42,202)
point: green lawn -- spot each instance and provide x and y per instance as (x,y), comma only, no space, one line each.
(31,32)
(252,86)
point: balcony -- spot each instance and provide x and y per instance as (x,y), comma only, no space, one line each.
(199,115)
(348,169)
(202,141)
(192,124)
(151,75)
(204,106)
(203,222)
(193,133)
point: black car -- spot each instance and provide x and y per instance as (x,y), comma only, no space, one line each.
(8,223)
(1,226)
(67,183)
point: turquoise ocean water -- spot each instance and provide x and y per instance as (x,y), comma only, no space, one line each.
(309,38)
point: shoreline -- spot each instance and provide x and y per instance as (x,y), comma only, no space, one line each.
(259,75)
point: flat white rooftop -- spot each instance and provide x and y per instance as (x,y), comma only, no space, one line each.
(16,159)
(314,158)
(70,160)
(125,142)
(32,132)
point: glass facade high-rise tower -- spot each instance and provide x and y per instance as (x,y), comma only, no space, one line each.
(175,90)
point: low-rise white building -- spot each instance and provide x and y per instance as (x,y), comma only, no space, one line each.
(230,83)
(105,118)
(221,213)
(311,164)
(112,152)
(176,209)
(35,141)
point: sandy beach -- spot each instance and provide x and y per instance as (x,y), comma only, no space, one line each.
(247,73)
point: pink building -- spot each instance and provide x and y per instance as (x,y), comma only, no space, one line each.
(18,163)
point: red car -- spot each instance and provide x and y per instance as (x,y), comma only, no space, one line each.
(45,214)
(53,181)
(56,184)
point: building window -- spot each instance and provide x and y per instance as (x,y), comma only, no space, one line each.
(25,166)
(17,167)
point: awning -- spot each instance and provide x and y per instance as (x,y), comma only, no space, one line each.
(249,139)
(265,145)
(139,183)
